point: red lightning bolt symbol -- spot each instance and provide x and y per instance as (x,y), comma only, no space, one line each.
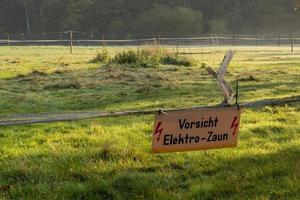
(158,130)
(234,125)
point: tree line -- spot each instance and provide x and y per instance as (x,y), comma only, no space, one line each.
(148,18)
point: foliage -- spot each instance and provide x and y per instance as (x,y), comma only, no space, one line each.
(141,57)
(148,57)
(144,18)
(177,60)
(76,10)
(218,26)
(101,57)
(297,2)
(178,21)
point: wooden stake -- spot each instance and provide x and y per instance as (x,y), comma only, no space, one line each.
(71,42)
(212,39)
(226,90)
(217,39)
(158,40)
(292,44)
(256,40)
(224,86)
(103,38)
(233,40)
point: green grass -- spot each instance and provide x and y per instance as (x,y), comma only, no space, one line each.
(111,158)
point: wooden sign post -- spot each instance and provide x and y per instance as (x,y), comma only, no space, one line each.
(200,129)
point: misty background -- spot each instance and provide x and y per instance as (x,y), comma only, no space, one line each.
(125,19)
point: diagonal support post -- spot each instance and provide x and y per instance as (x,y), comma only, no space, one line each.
(223,85)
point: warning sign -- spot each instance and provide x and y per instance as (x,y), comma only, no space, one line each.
(197,129)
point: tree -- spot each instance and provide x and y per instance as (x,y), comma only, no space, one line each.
(297,4)
(166,20)
(4,16)
(75,13)
(41,7)
(218,26)
(26,4)
(144,18)
(117,28)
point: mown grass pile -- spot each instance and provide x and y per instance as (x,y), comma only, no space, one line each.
(111,158)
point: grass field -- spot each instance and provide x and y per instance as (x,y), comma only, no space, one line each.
(111,158)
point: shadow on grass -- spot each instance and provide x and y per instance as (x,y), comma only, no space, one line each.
(184,175)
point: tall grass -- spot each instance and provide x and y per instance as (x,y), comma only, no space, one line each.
(151,57)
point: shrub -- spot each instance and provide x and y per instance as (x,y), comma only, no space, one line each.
(143,58)
(151,57)
(176,60)
(101,57)
(129,57)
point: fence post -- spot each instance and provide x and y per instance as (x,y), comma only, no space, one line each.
(8,39)
(212,39)
(103,38)
(256,40)
(177,49)
(233,40)
(279,41)
(158,40)
(71,42)
(217,39)
(292,44)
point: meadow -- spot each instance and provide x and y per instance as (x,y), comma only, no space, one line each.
(110,158)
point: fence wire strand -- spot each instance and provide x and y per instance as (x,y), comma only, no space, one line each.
(63,38)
